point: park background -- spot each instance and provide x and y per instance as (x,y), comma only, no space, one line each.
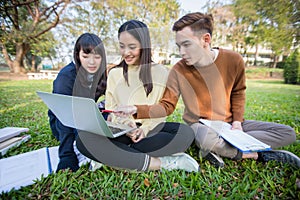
(265,32)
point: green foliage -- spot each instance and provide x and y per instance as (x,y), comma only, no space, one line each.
(268,23)
(104,18)
(87,16)
(154,13)
(247,179)
(25,27)
(291,68)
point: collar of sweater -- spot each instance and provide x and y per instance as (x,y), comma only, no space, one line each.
(134,67)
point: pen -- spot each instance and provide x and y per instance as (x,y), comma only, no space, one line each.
(107,111)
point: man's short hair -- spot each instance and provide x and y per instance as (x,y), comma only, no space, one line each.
(199,22)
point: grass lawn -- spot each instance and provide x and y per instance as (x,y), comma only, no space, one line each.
(267,100)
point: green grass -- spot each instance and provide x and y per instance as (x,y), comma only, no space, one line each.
(263,72)
(266,100)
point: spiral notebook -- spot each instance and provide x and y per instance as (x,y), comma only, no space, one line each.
(241,140)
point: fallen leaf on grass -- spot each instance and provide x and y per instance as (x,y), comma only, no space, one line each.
(146,182)
(180,194)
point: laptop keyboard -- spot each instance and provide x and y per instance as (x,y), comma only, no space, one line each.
(115,130)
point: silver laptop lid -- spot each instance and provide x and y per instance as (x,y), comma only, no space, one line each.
(76,112)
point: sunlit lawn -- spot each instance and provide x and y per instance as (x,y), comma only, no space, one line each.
(267,100)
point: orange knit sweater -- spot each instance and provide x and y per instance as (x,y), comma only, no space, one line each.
(215,92)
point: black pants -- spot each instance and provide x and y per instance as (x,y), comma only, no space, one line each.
(164,140)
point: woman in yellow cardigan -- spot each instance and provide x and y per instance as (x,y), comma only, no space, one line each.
(156,144)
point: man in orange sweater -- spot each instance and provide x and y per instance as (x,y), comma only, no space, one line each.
(211,82)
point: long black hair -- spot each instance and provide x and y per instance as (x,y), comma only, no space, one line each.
(140,32)
(91,43)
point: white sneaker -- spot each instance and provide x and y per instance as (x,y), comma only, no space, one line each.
(82,160)
(95,165)
(179,161)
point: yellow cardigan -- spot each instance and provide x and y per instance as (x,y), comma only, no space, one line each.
(118,92)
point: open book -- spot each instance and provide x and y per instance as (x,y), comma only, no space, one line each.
(21,170)
(241,140)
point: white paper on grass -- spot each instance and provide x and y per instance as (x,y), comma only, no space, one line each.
(21,170)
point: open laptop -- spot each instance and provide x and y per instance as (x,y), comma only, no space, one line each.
(82,114)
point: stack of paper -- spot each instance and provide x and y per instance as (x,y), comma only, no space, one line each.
(9,137)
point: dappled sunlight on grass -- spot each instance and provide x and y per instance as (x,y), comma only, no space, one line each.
(17,106)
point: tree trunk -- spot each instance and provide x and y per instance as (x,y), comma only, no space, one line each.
(21,50)
(256,55)
(275,61)
(33,67)
(8,60)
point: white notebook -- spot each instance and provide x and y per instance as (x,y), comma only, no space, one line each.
(241,140)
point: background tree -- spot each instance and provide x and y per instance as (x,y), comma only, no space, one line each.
(225,27)
(280,30)
(80,17)
(85,16)
(232,26)
(251,34)
(105,17)
(158,15)
(41,48)
(270,22)
(291,68)
(23,23)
